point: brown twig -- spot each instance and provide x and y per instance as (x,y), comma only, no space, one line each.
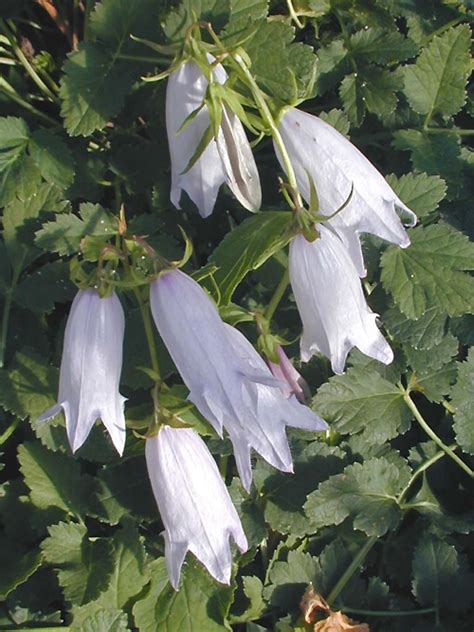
(54,14)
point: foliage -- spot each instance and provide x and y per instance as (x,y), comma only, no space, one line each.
(376,514)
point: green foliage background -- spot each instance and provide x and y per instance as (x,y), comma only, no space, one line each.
(377,516)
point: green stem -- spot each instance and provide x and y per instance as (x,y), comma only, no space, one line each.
(447,130)
(293,14)
(8,91)
(388,613)
(26,64)
(144,58)
(146,316)
(423,467)
(9,431)
(351,569)
(6,311)
(277,295)
(419,418)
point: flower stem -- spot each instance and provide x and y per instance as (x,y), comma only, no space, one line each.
(351,569)
(293,14)
(422,468)
(146,316)
(9,431)
(7,309)
(8,91)
(430,432)
(388,613)
(277,295)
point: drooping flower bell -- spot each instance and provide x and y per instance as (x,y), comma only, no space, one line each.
(293,383)
(337,167)
(90,369)
(226,159)
(331,302)
(229,382)
(194,503)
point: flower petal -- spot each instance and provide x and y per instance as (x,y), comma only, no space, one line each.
(194,503)
(331,303)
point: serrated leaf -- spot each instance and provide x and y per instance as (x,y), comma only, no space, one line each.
(286,495)
(423,360)
(441,576)
(332,65)
(435,383)
(64,234)
(84,565)
(289,578)
(337,119)
(17,565)
(366,493)
(123,489)
(429,273)
(14,135)
(247,247)
(437,82)
(96,81)
(105,621)
(351,95)
(419,191)
(52,157)
(423,333)
(381,47)
(217,12)
(250,513)
(45,287)
(54,479)
(363,401)
(200,604)
(27,388)
(253,589)
(463,402)
(282,67)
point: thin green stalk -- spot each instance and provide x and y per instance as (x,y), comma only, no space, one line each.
(422,422)
(353,567)
(277,295)
(293,14)
(446,130)
(6,312)
(388,613)
(8,91)
(422,468)
(146,316)
(144,58)
(9,431)
(27,66)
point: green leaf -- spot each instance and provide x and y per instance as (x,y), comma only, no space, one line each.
(84,565)
(250,512)
(52,157)
(217,12)
(282,67)
(253,589)
(351,95)
(289,578)
(423,333)
(124,489)
(419,191)
(337,119)
(247,247)
(105,621)
(55,480)
(332,65)
(200,604)
(366,493)
(440,575)
(14,136)
(437,82)
(27,388)
(363,401)
(423,360)
(17,565)
(429,273)
(96,81)
(463,402)
(45,287)
(437,154)
(378,90)
(434,383)
(286,495)
(381,47)
(64,234)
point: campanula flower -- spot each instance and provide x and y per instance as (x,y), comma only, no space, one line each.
(195,506)
(227,159)
(90,369)
(229,382)
(335,165)
(331,302)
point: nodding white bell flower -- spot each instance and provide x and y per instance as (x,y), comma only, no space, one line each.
(90,369)
(293,382)
(320,152)
(331,302)
(194,503)
(229,382)
(227,159)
